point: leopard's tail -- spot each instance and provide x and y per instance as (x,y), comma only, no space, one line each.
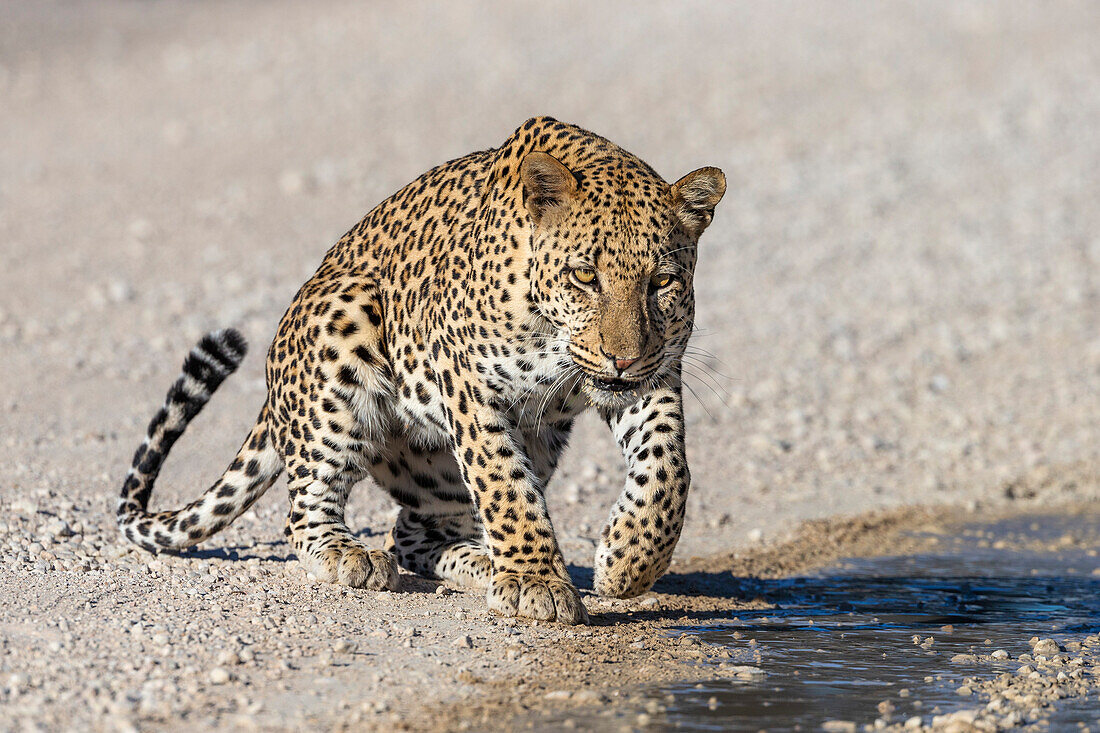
(257,465)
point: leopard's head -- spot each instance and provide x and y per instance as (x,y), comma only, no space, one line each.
(614,261)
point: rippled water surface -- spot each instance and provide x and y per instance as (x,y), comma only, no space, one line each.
(840,642)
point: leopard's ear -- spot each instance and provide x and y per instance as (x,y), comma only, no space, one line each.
(695,195)
(549,188)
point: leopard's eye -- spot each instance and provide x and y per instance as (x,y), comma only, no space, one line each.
(661,280)
(584,275)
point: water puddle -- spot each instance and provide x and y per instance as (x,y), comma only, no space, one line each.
(839,643)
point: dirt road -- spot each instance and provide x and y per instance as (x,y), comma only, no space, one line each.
(900,299)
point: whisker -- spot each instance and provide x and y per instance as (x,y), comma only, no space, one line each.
(546,401)
(701,403)
(708,386)
(700,357)
(703,371)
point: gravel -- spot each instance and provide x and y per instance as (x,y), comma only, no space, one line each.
(1029,694)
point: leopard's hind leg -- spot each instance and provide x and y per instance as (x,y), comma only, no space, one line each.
(445,547)
(324,544)
(437,533)
(331,407)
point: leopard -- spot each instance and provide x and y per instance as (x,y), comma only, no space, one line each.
(443,350)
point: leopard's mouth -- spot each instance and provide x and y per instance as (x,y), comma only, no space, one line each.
(613,384)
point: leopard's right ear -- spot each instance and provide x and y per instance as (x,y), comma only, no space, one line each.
(549,188)
(695,195)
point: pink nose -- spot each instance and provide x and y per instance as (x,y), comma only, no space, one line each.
(623,364)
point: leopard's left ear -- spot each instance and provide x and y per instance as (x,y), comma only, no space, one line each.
(548,186)
(695,195)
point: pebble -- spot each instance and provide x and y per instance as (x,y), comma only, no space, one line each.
(229,658)
(219,676)
(463,642)
(839,726)
(59,528)
(743,672)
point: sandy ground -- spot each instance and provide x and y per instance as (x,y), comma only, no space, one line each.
(901,294)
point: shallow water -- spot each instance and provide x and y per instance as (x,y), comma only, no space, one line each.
(840,642)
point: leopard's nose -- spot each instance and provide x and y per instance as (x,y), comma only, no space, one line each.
(623,364)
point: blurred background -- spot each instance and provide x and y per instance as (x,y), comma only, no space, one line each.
(900,292)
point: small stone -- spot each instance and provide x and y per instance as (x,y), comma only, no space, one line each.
(999,654)
(229,658)
(59,528)
(744,672)
(119,291)
(839,726)
(913,722)
(964,691)
(344,646)
(219,676)
(463,642)
(1025,670)
(1046,647)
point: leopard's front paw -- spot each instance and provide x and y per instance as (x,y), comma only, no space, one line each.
(529,596)
(628,570)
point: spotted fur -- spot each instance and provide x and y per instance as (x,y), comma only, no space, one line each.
(443,349)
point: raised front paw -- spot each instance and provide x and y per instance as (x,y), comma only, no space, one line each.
(354,565)
(627,570)
(529,596)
